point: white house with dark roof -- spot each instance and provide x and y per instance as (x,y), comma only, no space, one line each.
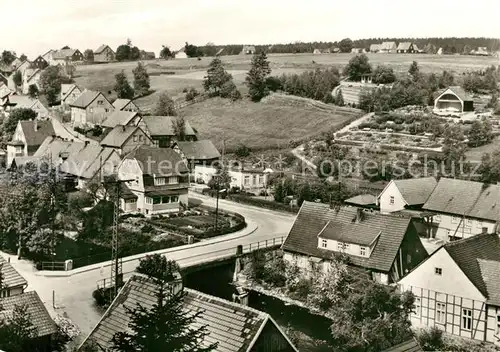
(12,282)
(104,54)
(124,139)
(386,246)
(405,194)
(161,130)
(463,208)
(90,108)
(235,327)
(406,48)
(457,289)
(28,137)
(388,48)
(69,93)
(15,101)
(197,152)
(160,180)
(125,105)
(453,99)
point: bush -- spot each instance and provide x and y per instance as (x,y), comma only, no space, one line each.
(431,339)
(242,151)
(193,93)
(301,290)
(262,203)
(99,297)
(185,90)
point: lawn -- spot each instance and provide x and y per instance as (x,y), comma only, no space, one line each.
(260,125)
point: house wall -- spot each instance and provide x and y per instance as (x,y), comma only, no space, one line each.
(139,138)
(19,136)
(40,109)
(106,55)
(398,202)
(352,249)
(34,80)
(493,324)
(71,97)
(245,180)
(446,225)
(95,113)
(131,107)
(13,152)
(271,340)
(12,291)
(78,116)
(128,205)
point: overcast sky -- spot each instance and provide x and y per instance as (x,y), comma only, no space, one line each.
(34,26)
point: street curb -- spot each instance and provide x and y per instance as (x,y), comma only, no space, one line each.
(220,239)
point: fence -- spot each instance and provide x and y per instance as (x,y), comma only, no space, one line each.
(216,255)
(54,266)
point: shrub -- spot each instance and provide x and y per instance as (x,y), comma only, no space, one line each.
(242,151)
(99,297)
(185,90)
(272,205)
(193,93)
(431,339)
(301,290)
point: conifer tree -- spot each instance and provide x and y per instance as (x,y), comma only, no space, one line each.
(141,80)
(216,77)
(256,79)
(122,87)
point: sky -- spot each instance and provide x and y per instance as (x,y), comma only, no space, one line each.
(35,26)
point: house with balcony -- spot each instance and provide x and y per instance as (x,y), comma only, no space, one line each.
(28,137)
(90,108)
(69,93)
(461,209)
(405,194)
(457,289)
(159,179)
(124,139)
(384,246)
(161,130)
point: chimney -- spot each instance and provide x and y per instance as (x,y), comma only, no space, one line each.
(175,286)
(359,216)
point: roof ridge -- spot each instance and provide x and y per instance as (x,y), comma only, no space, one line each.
(467,240)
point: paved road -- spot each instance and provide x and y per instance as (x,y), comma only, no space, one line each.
(73,293)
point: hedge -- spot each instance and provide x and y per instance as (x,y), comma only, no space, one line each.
(262,203)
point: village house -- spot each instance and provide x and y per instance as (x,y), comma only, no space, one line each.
(125,105)
(147,55)
(374,48)
(23,66)
(104,54)
(161,130)
(44,326)
(317,52)
(248,50)
(15,101)
(89,164)
(197,153)
(160,180)
(358,50)
(60,57)
(405,194)
(457,289)
(406,48)
(5,93)
(90,108)
(181,53)
(126,138)
(388,48)
(124,118)
(40,63)
(14,64)
(453,99)
(69,93)
(462,209)
(12,282)
(235,327)
(386,247)
(55,150)
(31,76)
(48,56)
(252,180)
(28,137)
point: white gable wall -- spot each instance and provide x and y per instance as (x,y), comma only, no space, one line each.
(398,203)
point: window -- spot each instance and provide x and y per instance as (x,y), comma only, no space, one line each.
(261,179)
(129,201)
(417,307)
(165,199)
(149,200)
(134,138)
(466,319)
(455,219)
(173,180)
(141,138)
(437,218)
(479,224)
(159,181)
(156,200)
(438,271)
(340,246)
(174,199)
(246,181)
(91,110)
(468,222)
(498,323)
(324,243)
(106,110)
(362,251)
(441,313)
(408,259)
(255,179)
(391,200)
(100,102)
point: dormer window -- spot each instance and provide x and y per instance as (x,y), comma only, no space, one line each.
(324,243)
(362,251)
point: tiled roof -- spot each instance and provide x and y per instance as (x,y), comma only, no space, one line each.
(121,103)
(53,148)
(313,217)
(465,198)
(356,233)
(30,73)
(162,126)
(479,258)
(10,276)
(87,161)
(22,101)
(416,190)
(158,161)
(40,317)
(362,199)
(118,136)
(36,138)
(235,327)
(388,46)
(199,150)
(374,47)
(100,49)
(67,88)
(407,346)
(84,99)
(404,46)
(458,91)
(63,53)
(118,117)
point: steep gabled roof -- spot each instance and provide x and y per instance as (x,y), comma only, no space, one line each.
(388,46)
(198,150)
(63,53)
(404,46)
(53,148)
(362,199)
(465,198)
(119,117)
(101,49)
(479,259)
(35,138)
(68,88)
(416,191)
(40,317)
(158,161)
(119,104)
(86,163)
(10,276)
(119,135)
(313,217)
(86,98)
(375,47)
(162,126)
(235,327)
(457,90)
(356,233)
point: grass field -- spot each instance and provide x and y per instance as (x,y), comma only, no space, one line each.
(259,125)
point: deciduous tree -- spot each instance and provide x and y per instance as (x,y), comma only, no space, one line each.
(192,50)
(50,83)
(122,53)
(346,45)
(17,330)
(358,66)
(122,87)
(141,79)
(8,57)
(17,77)
(33,91)
(480,133)
(88,55)
(216,78)
(23,57)
(166,53)
(10,123)
(165,106)
(256,79)
(179,128)
(383,75)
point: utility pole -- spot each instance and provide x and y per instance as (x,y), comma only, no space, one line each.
(116,260)
(217,183)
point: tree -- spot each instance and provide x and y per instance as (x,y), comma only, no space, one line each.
(88,55)
(414,70)
(179,128)
(358,66)
(165,106)
(33,91)
(257,76)
(17,330)
(23,57)
(480,133)
(135,53)
(216,77)
(192,50)
(141,79)
(17,77)
(50,83)
(166,326)
(122,87)
(122,53)
(345,45)
(383,75)
(10,123)
(166,53)
(446,79)
(453,145)
(339,98)
(8,57)
(490,167)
